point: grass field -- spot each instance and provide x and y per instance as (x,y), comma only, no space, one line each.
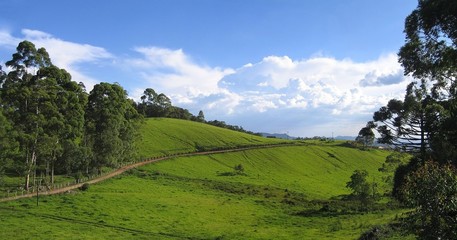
(284,192)
(164,136)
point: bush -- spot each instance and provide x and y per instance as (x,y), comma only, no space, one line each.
(432,190)
(85,187)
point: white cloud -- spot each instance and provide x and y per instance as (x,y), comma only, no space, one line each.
(176,74)
(299,95)
(64,54)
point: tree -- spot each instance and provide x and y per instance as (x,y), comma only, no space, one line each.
(154,104)
(111,123)
(430,51)
(24,100)
(432,191)
(45,109)
(8,143)
(201,116)
(366,135)
(430,54)
(361,188)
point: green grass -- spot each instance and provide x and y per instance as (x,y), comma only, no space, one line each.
(287,192)
(165,136)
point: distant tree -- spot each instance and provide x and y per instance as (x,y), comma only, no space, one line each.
(179,113)
(366,136)
(432,191)
(200,116)
(153,104)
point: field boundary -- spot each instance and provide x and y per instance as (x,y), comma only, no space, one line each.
(127,167)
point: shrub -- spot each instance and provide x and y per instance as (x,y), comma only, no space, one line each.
(85,187)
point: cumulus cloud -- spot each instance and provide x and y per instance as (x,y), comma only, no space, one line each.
(64,54)
(373,79)
(306,95)
(173,72)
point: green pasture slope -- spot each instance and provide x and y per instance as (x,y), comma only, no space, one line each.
(165,136)
(280,195)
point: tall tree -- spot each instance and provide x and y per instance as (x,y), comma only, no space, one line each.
(409,124)
(44,107)
(366,135)
(8,144)
(23,101)
(430,54)
(110,125)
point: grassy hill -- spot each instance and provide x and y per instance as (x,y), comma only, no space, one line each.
(165,136)
(280,194)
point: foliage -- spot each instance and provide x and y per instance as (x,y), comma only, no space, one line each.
(85,187)
(50,126)
(111,122)
(153,104)
(393,161)
(239,168)
(362,190)
(44,107)
(430,54)
(366,135)
(432,190)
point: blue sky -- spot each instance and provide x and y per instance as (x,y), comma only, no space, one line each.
(303,67)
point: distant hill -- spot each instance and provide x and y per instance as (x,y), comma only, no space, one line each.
(350,138)
(278,135)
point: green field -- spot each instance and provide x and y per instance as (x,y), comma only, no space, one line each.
(287,192)
(164,136)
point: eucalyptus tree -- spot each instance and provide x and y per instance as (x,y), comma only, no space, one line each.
(110,128)
(37,100)
(8,144)
(22,101)
(154,104)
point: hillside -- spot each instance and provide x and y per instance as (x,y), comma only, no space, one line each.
(279,195)
(165,136)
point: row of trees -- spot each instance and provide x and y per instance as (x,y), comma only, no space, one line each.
(49,124)
(424,122)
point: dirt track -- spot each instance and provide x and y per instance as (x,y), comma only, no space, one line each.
(131,166)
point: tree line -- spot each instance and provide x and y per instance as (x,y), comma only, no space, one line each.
(49,125)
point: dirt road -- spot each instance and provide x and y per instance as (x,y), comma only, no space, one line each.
(131,166)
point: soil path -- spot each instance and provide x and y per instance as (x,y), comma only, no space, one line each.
(135,165)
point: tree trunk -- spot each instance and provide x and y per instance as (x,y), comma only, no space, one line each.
(52,175)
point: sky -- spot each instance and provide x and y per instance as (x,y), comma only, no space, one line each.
(303,67)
